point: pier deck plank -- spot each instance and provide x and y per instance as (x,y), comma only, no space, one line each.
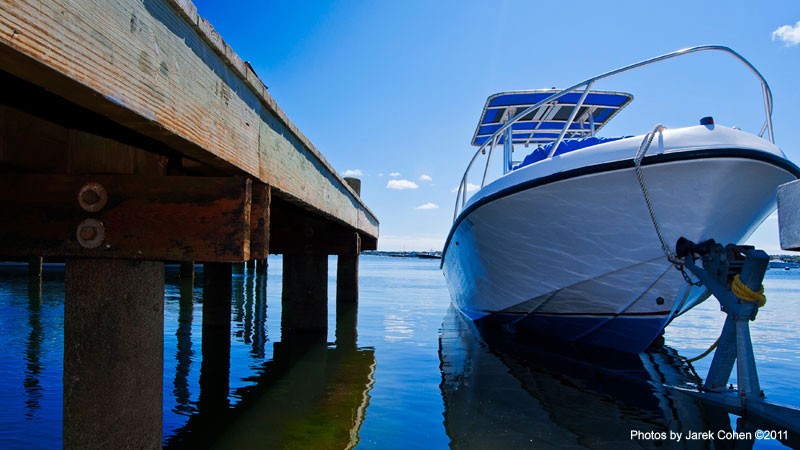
(159,69)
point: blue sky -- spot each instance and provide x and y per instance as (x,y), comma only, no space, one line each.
(392,91)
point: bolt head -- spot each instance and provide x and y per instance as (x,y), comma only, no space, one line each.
(88,233)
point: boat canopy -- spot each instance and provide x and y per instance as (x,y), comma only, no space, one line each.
(545,123)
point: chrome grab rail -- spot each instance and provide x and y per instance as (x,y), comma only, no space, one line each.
(461,195)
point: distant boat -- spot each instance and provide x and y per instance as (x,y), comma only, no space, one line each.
(575,242)
(785,265)
(429,255)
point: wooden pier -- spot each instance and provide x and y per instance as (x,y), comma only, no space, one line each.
(132,135)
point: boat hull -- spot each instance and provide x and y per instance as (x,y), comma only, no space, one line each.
(574,255)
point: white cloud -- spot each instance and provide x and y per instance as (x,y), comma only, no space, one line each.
(353,173)
(401,185)
(428,206)
(470,188)
(425,177)
(394,174)
(788,34)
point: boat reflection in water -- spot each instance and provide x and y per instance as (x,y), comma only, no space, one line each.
(500,394)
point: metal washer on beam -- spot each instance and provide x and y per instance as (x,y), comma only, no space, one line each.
(91,233)
(92,197)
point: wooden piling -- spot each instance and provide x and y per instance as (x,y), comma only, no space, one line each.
(354,183)
(113,354)
(187,269)
(216,341)
(347,294)
(347,276)
(217,295)
(261,266)
(305,292)
(346,325)
(35,266)
(347,301)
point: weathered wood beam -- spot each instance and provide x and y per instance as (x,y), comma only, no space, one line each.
(297,231)
(51,73)
(369,242)
(43,133)
(158,68)
(259,221)
(132,217)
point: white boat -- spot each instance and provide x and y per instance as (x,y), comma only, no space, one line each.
(576,242)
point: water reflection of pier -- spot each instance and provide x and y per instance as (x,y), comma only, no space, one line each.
(33,367)
(185,352)
(311,394)
(292,386)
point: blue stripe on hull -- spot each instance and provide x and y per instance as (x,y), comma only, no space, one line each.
(620,333)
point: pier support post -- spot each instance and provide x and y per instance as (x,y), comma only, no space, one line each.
(346,325)
(354,183)
(216,343)
(347,296)
(305,292)
(113,353)
(347,280)
(35,266)
(261,267)
(187,270)
(217,295)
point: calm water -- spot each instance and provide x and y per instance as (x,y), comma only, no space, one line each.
(418,376)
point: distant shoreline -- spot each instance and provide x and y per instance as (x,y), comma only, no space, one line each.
(413,254)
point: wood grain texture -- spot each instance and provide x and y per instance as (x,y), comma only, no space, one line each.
(145,218)
(294,231)
(158,68)
(259,221)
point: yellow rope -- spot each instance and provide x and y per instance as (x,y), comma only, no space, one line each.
(743,292)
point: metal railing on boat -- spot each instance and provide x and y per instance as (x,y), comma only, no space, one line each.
(492,141)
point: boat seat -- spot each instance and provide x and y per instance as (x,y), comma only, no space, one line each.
(567,145)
